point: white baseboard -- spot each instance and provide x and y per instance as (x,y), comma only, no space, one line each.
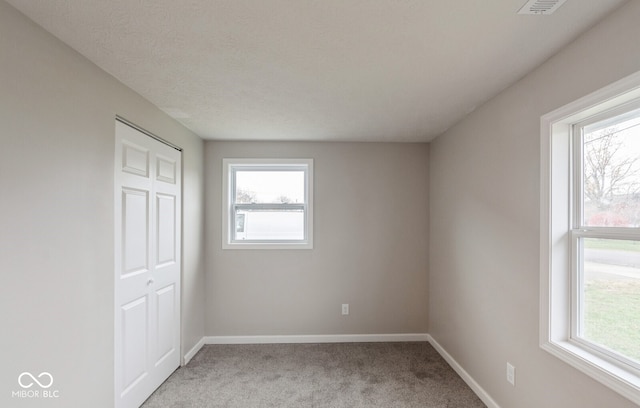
(480,392)
(322,338)
(193,351)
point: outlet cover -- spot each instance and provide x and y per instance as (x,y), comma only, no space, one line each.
(511,374)
(345,309)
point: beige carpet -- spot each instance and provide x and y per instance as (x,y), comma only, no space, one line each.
(341,375)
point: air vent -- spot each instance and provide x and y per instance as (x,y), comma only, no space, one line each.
(541,7)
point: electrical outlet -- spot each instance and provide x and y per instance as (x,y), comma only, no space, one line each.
(511,374)
(345,309)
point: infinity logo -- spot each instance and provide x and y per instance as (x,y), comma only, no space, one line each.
(29,383)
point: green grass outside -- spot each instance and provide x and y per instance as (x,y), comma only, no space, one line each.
(615,244)
(612,315)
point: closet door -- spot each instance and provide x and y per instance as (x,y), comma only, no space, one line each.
(147,264)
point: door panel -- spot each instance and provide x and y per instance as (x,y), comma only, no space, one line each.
(134,341)
(147,262)
(166,170)
(166,303)
(135,212)
(135,159)
(166,227)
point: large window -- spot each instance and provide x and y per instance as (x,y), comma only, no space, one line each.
(606,233)
(590,235)
(268,203)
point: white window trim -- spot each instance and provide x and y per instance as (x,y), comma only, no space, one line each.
(307,243)
(555,241)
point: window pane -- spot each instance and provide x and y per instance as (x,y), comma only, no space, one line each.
(611,188)
(269,225)
(610,293)
(268,187)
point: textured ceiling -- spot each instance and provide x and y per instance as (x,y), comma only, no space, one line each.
(352,70)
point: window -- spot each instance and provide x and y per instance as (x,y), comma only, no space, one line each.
(268,203)
(590,235)
(606,234)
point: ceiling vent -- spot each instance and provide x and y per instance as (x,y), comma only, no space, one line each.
(541,7)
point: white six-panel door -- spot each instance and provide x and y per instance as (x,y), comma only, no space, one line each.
(147,264)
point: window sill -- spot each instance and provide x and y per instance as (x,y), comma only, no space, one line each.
(266,245)
(625,382)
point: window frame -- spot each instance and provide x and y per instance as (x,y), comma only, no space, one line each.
(580,231)
(559,237)
(230,207)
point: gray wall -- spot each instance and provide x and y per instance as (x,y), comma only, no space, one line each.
(370,240)
(484,265)
(57,118)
